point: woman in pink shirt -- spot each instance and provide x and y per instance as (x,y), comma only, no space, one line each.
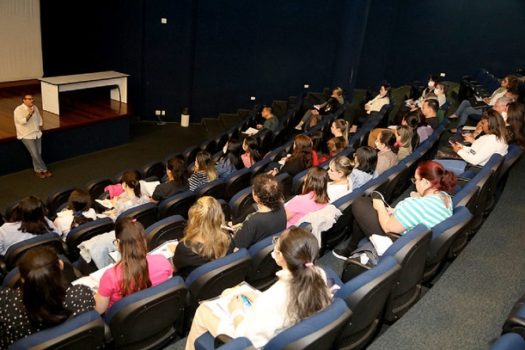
(313,197)
(135,271)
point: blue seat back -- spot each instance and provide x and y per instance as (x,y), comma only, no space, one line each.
(366,296)
(209,280)
(316,332)
(85,331)
(141,320)
(263,267)
(509,341)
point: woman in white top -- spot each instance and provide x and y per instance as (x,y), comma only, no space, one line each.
(131,197)
(493,141)
(383,98)
(300,292)
(27,220)
(78,211)
(339,171)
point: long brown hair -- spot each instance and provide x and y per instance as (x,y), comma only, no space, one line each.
(133,251)
(308,290)
(206,164)
(496,124)
(43,287)
(302,149)
(204,234)
(316,181)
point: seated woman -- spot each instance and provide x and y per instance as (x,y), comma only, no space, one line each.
(441,94)
(136,270)
(339,128)
(203,172)
(312,116)
(204,238)
(339,173)
(230,160)
(465,108)
(251,154)
(386,158)
(131,197)
(77,212)
(412,120)
(313,197)
(365,160)
(516,123)
(429,205)
(403,142)
(28,219)
(493,141)
(300,292)
(383,98)
(43,300)
(270,217)
(302,156)
(335,145)
(177,180)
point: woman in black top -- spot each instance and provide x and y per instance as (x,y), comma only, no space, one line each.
(204,239)
(270,217)
(301,158)
(177,180)
(44,300)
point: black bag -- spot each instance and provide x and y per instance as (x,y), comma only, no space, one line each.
(353,266)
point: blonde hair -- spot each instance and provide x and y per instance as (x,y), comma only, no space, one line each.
(206,164)
(405,135)
(204,234)
(342,164)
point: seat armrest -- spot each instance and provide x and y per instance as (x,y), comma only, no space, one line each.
(222,339)
(352,268)
(393,236)
(3,267)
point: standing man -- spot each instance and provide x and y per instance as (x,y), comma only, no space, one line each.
(28,122)
(271,123)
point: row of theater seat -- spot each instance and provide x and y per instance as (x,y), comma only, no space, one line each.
(378,274)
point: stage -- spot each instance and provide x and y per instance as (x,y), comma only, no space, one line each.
(89,121)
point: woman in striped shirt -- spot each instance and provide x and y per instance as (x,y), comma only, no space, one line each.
(429,205)
(203,172)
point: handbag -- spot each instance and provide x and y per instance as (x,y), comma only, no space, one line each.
(447,154)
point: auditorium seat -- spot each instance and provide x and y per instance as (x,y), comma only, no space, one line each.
(242,204)
(215,188)
(178,204)
(95,188)
(155,168)
(84,332)
(410,252)
(515,321)
(209,146)
(57,199)
(147,319)
(237,181)
(169,228)
(509,341)
(317,332)
(16,251)
(209,280)
(263,267)
(443,236)
(260,166)
(84,232)
(298,181)
(366,296)
(190,153)
(146,214)
(285,181)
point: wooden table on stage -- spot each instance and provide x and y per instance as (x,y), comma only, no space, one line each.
(52,86)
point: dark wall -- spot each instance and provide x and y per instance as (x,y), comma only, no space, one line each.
(211,55)
(406,40)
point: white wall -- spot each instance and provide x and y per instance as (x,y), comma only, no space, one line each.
(20,40)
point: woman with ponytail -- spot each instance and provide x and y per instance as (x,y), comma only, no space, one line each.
(43,300)
(135,271)
(132,195)
(339,128)
(300,292)
(429,205)
(78,212)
